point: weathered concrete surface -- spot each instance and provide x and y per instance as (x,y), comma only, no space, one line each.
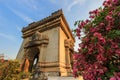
(51,42)
(64,78)
(61,78)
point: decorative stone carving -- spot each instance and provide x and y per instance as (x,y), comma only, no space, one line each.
(68,43)
(36,36)
(37,39)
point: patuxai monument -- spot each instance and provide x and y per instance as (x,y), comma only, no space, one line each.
(48,46)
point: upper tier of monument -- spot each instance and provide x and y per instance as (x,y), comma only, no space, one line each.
(55,15)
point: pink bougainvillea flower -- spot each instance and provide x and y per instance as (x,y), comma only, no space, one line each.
(99,49)
(119,14)
(114,45)
(118,51)
(96,34)
(76,56)
(99,79)
(99,36)
(94,12)
(100,57)
(110,13)
(86,39)
(113,78)
(108,28)
(82,24)
(91,16)
(116,76)
(108,18)
(90,12)
(87,20)
(102,40)
(78,30)
(75,70)
(114,1)
(107,3)
(102,24)
(94,29)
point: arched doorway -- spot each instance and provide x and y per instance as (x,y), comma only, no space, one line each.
(35,61)
(31,59)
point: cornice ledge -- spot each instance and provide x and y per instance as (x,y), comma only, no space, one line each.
(53,16)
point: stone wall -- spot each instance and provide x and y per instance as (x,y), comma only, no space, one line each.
(64,78)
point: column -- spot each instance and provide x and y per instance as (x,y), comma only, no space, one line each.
(41,56)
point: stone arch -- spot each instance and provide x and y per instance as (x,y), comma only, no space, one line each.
(30,56)
(32,50)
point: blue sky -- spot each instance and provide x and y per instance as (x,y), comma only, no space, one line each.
(16,14)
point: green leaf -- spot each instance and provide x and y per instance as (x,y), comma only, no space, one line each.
(84,50)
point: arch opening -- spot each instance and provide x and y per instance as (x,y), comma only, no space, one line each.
(31,60)
(35,61)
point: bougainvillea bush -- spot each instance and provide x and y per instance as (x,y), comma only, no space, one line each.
(98,56)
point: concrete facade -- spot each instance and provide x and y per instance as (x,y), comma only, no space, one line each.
(51,42)
(64,78)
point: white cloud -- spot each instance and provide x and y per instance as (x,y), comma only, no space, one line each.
(75,2)
(22,16)
(7,36)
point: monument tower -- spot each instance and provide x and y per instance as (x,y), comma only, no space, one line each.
(48,45)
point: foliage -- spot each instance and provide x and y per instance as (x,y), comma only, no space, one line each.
(98,56)
(9,70)
(24,75)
